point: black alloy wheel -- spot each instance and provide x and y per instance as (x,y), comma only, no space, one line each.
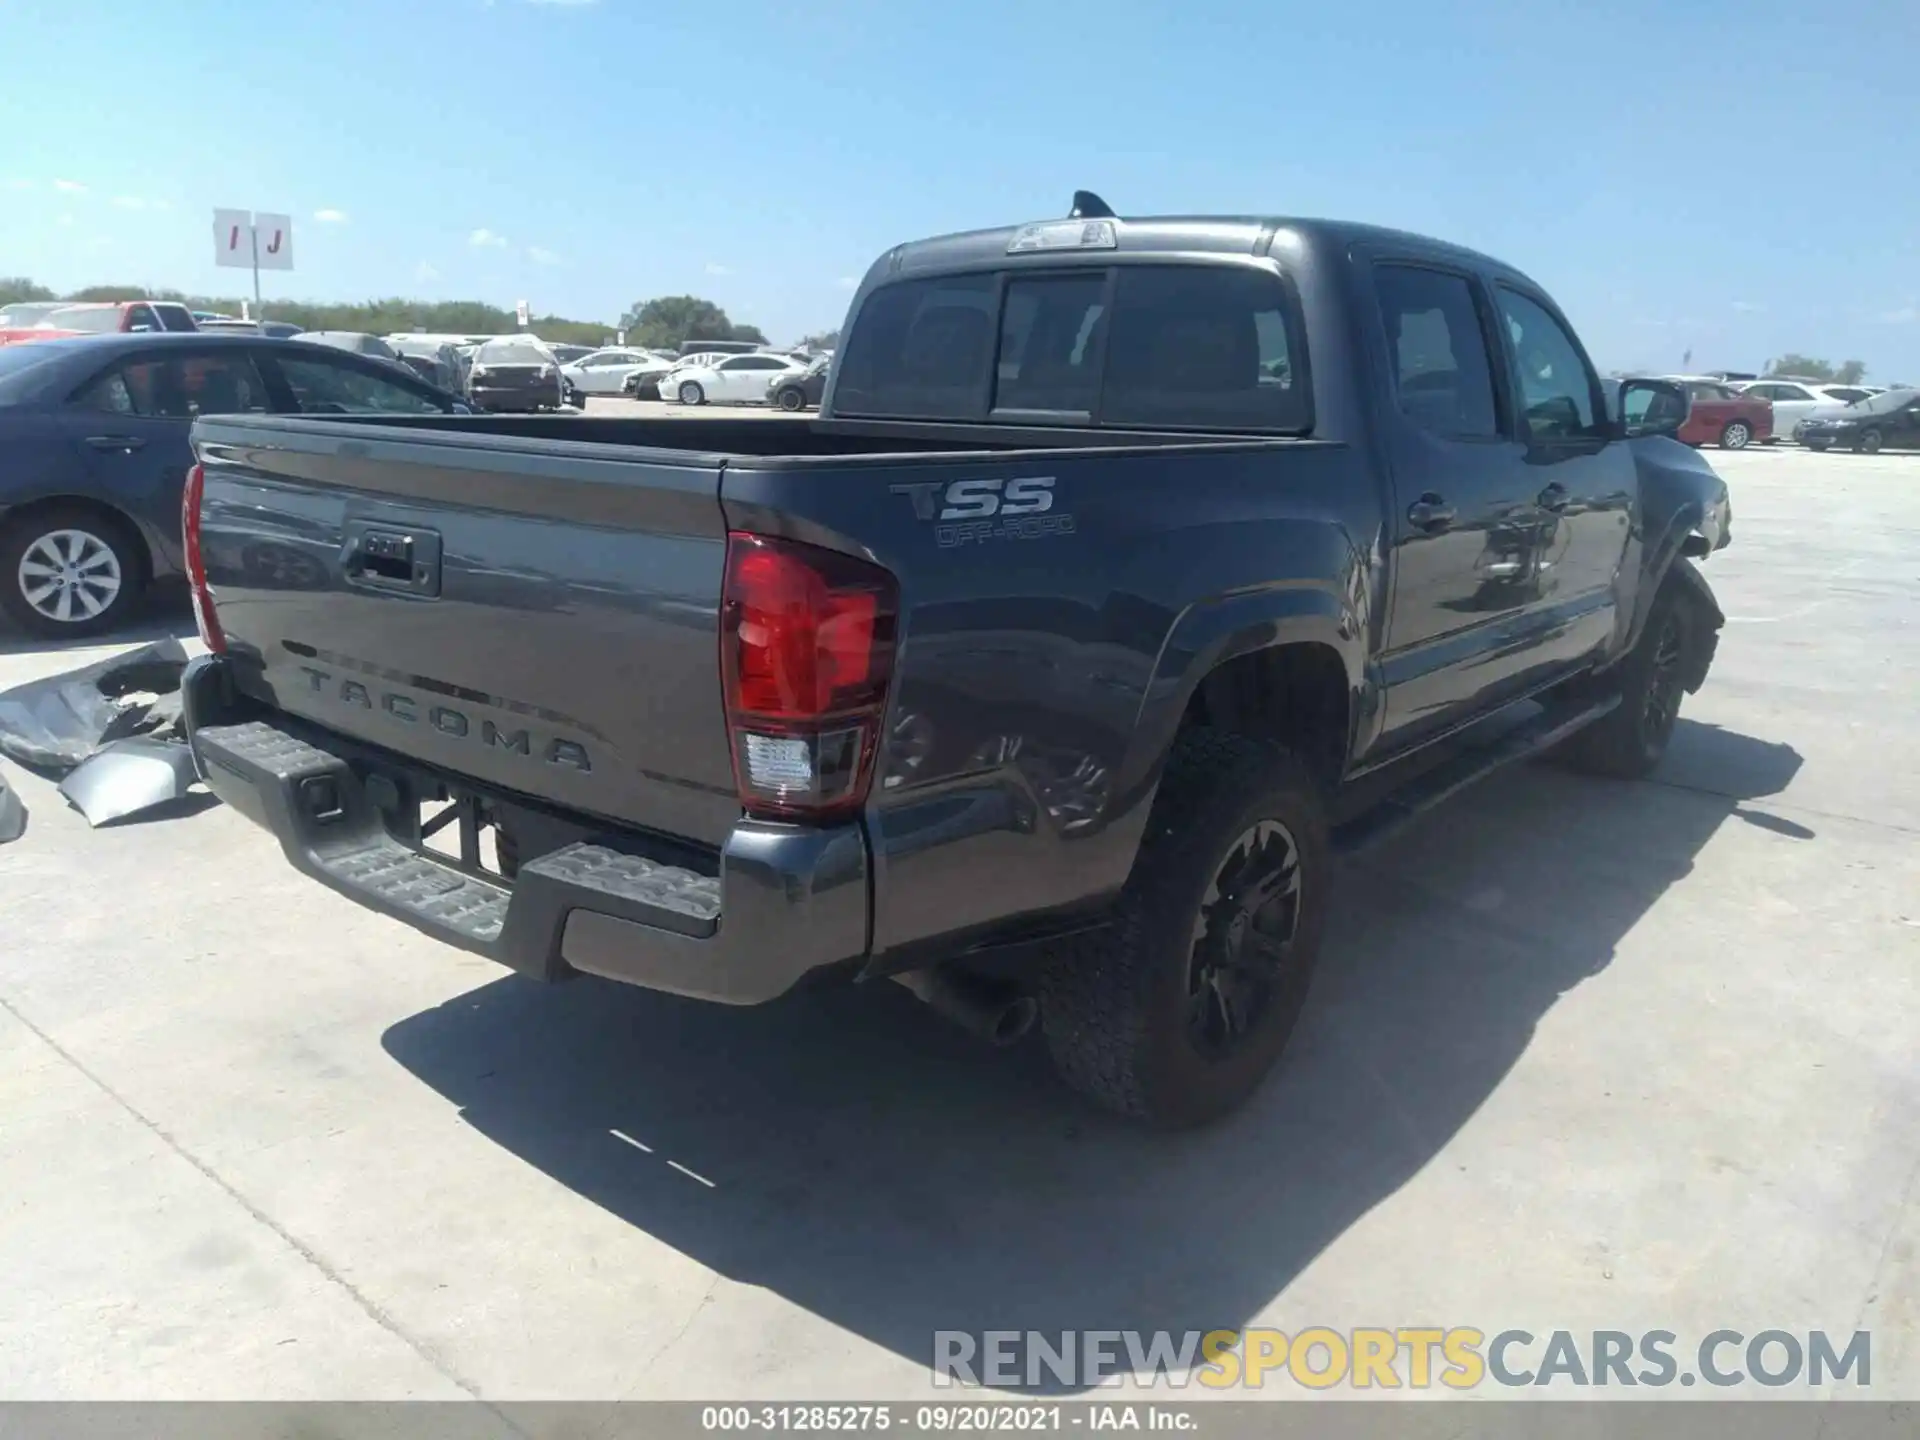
(1243,939)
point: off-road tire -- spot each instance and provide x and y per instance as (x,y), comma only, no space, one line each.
(1114,1003)
(1631,739)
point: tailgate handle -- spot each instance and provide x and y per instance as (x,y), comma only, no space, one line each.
(386,557)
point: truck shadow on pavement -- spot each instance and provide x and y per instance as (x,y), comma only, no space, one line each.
(854,1155)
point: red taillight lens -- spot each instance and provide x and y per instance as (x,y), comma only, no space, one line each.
(806,653)
(211,634)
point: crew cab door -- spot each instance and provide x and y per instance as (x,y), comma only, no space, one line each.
(1582,477)
(1462,523)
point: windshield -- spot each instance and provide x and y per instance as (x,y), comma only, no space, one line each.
(18,317)
(87,319)
(513,350)
(1884,404)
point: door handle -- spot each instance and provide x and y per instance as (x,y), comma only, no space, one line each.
(116,442)
(1554,497)
(1430,512)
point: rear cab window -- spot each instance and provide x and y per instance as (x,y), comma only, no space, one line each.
(1188,346)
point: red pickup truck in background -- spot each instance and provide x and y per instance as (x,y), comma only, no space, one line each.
(1720,415)
(41,321)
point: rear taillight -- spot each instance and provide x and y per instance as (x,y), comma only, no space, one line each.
(806,654)
(211,634)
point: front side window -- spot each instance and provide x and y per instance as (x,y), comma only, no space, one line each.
(321,387)
(1193,347)
(1556,388)
(1438,347)
(178,388)
(175,317)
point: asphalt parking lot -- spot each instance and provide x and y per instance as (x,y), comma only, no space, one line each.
(1581,1055)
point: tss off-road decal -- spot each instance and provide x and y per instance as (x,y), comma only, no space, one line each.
(969,512)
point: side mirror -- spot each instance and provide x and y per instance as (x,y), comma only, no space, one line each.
(1652,407)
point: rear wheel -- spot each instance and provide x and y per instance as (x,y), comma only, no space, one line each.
(1736,435)
(692,394)
(1176,1012)
(67,572)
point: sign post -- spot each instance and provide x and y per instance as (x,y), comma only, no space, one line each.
(520,314)
(256,242)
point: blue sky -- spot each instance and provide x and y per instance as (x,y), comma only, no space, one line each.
(1736,178)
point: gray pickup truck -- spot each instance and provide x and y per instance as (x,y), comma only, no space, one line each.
(1131,570)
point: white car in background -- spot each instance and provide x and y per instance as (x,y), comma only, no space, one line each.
(606,372)
(1797,401)
(725,379)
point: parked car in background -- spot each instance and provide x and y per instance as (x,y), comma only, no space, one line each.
(1793,401)
(660,387)
(1720,415)
(1849,394)
(1890,420)
(95,437)
(720,347)
(112,317)
(516,372)
(730,380)
(433,360)
(357,342)
(17,320)
(801,391)
(606,372)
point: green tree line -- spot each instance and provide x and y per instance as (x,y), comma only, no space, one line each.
(1848,372)
(667,321)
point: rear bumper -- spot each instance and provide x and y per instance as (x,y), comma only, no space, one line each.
(514,397)
(785,901)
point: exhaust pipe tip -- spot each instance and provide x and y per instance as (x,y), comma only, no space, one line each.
(1017,1017)
(993,1012)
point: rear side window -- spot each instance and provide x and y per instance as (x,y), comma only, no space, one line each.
(321,387)
(1442,373)
(1202,348)
(921,350)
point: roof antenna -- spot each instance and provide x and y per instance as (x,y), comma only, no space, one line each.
(1089,206)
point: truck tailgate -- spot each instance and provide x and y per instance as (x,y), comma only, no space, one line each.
(540,616)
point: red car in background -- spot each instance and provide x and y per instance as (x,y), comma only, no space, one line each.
(54,322)
(1720,415)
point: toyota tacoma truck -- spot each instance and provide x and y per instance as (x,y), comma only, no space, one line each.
(1131,570)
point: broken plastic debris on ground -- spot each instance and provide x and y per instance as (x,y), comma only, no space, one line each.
(113,730)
